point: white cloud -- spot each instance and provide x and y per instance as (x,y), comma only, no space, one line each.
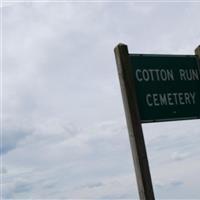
(84,159)
(65,134)
(179,156)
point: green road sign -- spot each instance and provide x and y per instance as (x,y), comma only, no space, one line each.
(167,86)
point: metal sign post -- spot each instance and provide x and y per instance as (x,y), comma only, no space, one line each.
(156,88)
(134,126)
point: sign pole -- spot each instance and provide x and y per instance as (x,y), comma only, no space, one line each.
(134,124)
(197,53)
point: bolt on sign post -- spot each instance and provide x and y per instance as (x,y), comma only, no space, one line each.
(156,88)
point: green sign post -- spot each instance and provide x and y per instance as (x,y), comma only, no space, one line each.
(156,88)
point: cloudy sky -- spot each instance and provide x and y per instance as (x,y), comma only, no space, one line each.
(64,130)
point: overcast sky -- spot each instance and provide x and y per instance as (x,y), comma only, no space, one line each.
(64,129)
